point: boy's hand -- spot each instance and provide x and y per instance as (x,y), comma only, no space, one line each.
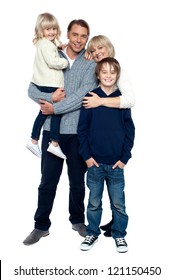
(90,162)
(119,163)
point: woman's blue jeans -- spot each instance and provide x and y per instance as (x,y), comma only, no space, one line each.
(114,178)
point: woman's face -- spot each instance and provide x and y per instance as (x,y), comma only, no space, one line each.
(99,52)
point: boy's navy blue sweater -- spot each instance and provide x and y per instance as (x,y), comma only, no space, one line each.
(106,134)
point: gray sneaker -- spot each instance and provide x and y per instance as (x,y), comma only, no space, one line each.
(81,228)
(35,236)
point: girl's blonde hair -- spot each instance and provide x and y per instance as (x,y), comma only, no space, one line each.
(102,41)
(44,21)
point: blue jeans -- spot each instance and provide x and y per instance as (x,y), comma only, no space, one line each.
(114,178)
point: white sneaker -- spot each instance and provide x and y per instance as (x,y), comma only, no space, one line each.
(56,151)
(34,148)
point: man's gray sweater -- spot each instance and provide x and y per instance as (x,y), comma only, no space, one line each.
(78,80)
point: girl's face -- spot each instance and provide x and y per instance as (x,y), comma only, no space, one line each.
(50,33)
(107,75)
(99,52)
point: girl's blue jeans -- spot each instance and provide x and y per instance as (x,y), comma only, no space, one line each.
(114,178)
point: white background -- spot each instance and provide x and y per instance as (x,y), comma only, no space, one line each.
(141,32)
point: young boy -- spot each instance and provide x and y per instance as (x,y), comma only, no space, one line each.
(106,137)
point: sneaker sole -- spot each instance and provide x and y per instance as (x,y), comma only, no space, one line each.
(122,250)
(52,152)
(33,151)
(89,247)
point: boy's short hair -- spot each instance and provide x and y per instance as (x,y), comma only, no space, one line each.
(112,62)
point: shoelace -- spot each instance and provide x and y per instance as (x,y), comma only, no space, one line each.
(121,242)
(89,239)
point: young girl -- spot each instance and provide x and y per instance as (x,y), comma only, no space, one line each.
(47,76)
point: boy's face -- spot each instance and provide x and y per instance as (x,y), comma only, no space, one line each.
(107,75)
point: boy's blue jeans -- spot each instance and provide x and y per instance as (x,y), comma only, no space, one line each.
(114,178)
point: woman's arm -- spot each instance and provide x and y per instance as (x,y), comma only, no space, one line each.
(126,100)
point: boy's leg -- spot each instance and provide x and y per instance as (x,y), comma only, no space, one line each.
(116,186)
(95,183)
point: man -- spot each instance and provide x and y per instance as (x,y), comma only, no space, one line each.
(79,79)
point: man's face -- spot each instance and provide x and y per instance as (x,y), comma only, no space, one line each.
(78,37)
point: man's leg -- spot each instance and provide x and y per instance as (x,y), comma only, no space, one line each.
(76,172)
(51,168)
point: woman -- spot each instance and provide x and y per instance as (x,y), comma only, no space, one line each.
(98,48)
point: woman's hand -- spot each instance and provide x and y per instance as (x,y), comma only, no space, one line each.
(92,101)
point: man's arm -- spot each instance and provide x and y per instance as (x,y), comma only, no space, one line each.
(74,100)
(35,94)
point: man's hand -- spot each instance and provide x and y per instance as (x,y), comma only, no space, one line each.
(58,95)
(46,107)
(92,101)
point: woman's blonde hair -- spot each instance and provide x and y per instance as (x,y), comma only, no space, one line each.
(44,21)
(101,40)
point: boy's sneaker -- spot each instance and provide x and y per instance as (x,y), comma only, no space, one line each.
(121,245)
(34,148)
(56,151)
(89,242)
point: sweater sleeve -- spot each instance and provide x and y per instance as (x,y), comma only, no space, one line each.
(129,136)
(83,132)
(127,99)
(35,94)
(51,56)
(74,100)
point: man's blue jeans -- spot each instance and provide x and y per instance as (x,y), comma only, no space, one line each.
(114,178)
